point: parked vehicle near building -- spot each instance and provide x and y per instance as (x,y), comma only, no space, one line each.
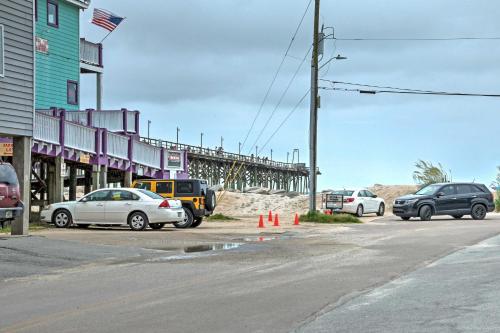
(136,208)
(10,194)
(197,199)
(357,201)
(455,199)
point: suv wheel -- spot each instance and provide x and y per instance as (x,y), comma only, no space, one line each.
(197,222)
(381,209)
(138,221)
(210,200)
(188,219)
(425,213)
(62,218)
(359,211)
(478,212)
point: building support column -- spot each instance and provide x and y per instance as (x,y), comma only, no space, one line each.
(21,162)
(72,182)
(96,171)
(127,179)
(88,181)
(99,91)
(103,176)
(56,180)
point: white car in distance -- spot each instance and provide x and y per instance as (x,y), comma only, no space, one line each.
(136,208)
(359,201)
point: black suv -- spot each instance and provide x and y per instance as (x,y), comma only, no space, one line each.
(455,199)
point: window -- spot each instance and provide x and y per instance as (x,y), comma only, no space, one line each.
(361,194)
(2,70)
(448,190)
(120,195)
(52,13)
(72,92)
(466,189)
(151,194)
(369,194)
(345,193)
(144,186)
(184,187)
(98,196)
(164,187)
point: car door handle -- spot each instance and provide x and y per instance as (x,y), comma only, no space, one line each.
(454,198)
(99,205)
(128,204)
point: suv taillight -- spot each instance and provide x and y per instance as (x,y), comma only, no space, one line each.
(164,204)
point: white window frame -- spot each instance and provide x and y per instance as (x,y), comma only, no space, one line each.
(2,52)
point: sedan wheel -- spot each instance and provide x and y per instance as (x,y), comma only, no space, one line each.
(381,210)
(478,212)
(188,220)
(62,218)
(359,211)
(138,221)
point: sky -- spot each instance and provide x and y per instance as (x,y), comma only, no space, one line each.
(205,66)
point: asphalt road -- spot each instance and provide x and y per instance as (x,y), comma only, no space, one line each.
(377,277)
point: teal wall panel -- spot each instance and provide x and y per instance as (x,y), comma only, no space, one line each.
(62,62)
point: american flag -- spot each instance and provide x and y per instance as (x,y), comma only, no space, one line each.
(106,19)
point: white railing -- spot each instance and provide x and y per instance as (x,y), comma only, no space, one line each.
(46,128)
(90,53)
(79,117)
(146,154)
(79,137)
(112,120)
(117,145)
(131,121)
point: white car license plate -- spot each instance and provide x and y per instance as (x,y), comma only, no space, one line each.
(8,214)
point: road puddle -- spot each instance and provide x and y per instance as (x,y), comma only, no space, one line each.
(211,247)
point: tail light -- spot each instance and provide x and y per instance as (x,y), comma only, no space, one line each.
(164,204)
(348,199)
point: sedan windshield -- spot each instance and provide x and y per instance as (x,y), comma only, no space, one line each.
(150,194)
(428,190)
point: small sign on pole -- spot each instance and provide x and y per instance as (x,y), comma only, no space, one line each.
(334,202)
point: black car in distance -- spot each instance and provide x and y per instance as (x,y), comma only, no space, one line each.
(455,199)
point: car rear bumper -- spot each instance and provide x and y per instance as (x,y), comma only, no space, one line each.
(10,213)
(167,215)
(405,210)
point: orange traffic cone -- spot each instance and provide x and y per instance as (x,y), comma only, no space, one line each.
(276,220)
(270,217)
(261,222)
(296,222)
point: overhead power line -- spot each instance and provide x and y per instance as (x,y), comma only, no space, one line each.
(373,86)
(284,120)
(419,39)
(268,120)
(438,93)
(266,96)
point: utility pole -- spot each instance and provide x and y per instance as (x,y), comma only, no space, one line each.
(256,150)
(239,148)
(313,124)
(201,140)
(221,142)
(149,124)
(178,129)
(271,154)
(287,156)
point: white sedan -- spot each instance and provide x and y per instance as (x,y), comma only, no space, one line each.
(125,206)
(359,202)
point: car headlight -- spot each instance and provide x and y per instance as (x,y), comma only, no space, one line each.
(47,207)
(411,202)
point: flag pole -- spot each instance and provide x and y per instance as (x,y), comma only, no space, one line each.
(109,33)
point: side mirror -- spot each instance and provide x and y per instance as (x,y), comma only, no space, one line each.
(374,196)
(85,199)
(440,194)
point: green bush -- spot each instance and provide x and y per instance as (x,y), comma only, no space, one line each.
(323,218)
(220,217)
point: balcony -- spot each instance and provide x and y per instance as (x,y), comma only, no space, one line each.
(90,57)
